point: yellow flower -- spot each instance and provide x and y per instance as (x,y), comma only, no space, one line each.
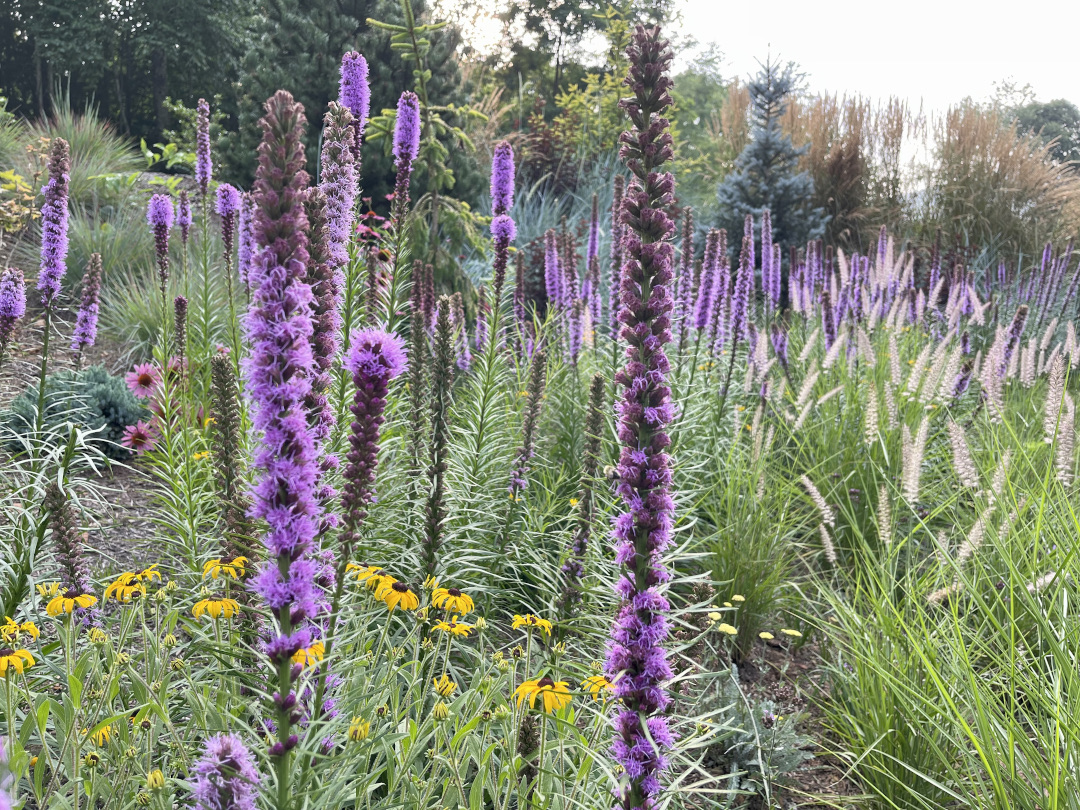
(792,633)
(573,501)
(155,780)
(715,617)
(220,568)
(553,695)
(201,455)
(65,604)
(209,421)
(766,636)
(125,587)
(52,589)
(149,574)
(596,685)
(738,598)
(396,594)
(359,729)
(308,656)
(217,608)
(440,712)
(33,761)
(444,686)
(529,621)
(10,630)
(452,600)
(728,604)
(16,660)
(98,636)
(454,626)
(430,583)
(364,573)
(101,736)
(727,630)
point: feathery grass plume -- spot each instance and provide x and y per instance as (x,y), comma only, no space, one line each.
(54,224)
(534,397)
(85,332)
(503,228)
(406,148)
(890,408)
(573,568)
(442,381)
(870,416)
(247,251)
(1053,406)
(884,516)
(637,661)
(944,594)
(827,544)
(912,452)
(1000,478)
(809,346)
(374,358)
(1064,460)
(68,545)
(975,536)
(278,369)
(12,305)
(159,213)
(616,261)
(180,313)
(827,514)
(1027,365)
(354,94)
(894,360)
(226,777)
(225,446)
(961,457)
(918,371)
(183,216)
(204,165)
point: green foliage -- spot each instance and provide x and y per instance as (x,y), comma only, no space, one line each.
(1056,122)
(91,400)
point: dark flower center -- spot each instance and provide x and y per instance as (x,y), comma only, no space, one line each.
(453,592)
(146,380)
(400,587)
(6,651)
(545,682)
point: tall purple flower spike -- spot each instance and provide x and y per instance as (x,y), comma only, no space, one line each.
(591,287)
(503,227)
(636,658)
(225,776)
(159,213)
(54,224)
(553,274)
(278,373)
(406,146)
(616,260)
(204,165)
(12,304)
(354,94)
(183,215)
(85,332)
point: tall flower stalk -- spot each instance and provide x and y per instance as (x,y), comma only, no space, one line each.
(228,206)
(54,249)
(278,380)
(85,332)
(159,213)
(204,165)
(12,305)
(519,473)
(442,381)
(503,228)
(225,443)
(637,661)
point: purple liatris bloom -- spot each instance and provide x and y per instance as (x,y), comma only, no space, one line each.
(225,776)
(778,337)
(183,216)
(374,358)
(553,274)
(636,661)
(246,253)
(228,206)
(338,182)
(590,290)
(12,304)
(744,288)
(705,306)
(615,269)
(354,95)
(502,178)
(204,166)
(54,223)
(278,374)
(406,148)
(85,331)
(159,213)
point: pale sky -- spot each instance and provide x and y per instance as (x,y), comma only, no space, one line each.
(936,50)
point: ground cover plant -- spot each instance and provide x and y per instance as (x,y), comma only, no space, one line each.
(657,514)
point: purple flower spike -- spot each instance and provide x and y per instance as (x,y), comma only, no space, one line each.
(228,207)
(637,661)
(85,332)
(54,224)
(183,216)
(248,248)
(225,776)
(204,166)
(12,304)
(159,213)
(407,129)
(354,95)
(502,178)
(553,275)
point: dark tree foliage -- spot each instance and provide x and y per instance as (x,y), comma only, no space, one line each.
(766,174)
(1057,121)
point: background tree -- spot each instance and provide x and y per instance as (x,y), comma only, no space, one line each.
(1057,121)
(766,173)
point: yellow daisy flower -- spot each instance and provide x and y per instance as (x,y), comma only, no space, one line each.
(220,568)
(15,660)
(597,686)
(52,589)
(101,737)
(364,573)
(10,630)
(444,686)
(529,621)
(217,608)
(125,588)
(454,627)
(63,603)
(553,695)
(308,656)
(149,574)
(359,729)
(155,780)
(452,600)
(396,594)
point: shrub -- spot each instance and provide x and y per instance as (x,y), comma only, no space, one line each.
(91,399)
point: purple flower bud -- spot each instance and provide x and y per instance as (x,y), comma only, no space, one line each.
(54,224)
(183,216)
(204,166)
(159,213)
(504,229)
(85,332)
(502,178)
(225,776)
(353,92)
(228,200)
(248,248)
(407,129)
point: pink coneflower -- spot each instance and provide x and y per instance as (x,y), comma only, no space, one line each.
(143,380)
(139,438)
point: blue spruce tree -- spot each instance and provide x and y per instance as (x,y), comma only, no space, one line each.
(766,173)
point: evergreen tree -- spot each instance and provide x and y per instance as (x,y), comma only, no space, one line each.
(766,173)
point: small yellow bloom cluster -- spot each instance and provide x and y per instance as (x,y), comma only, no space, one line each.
(219,568)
